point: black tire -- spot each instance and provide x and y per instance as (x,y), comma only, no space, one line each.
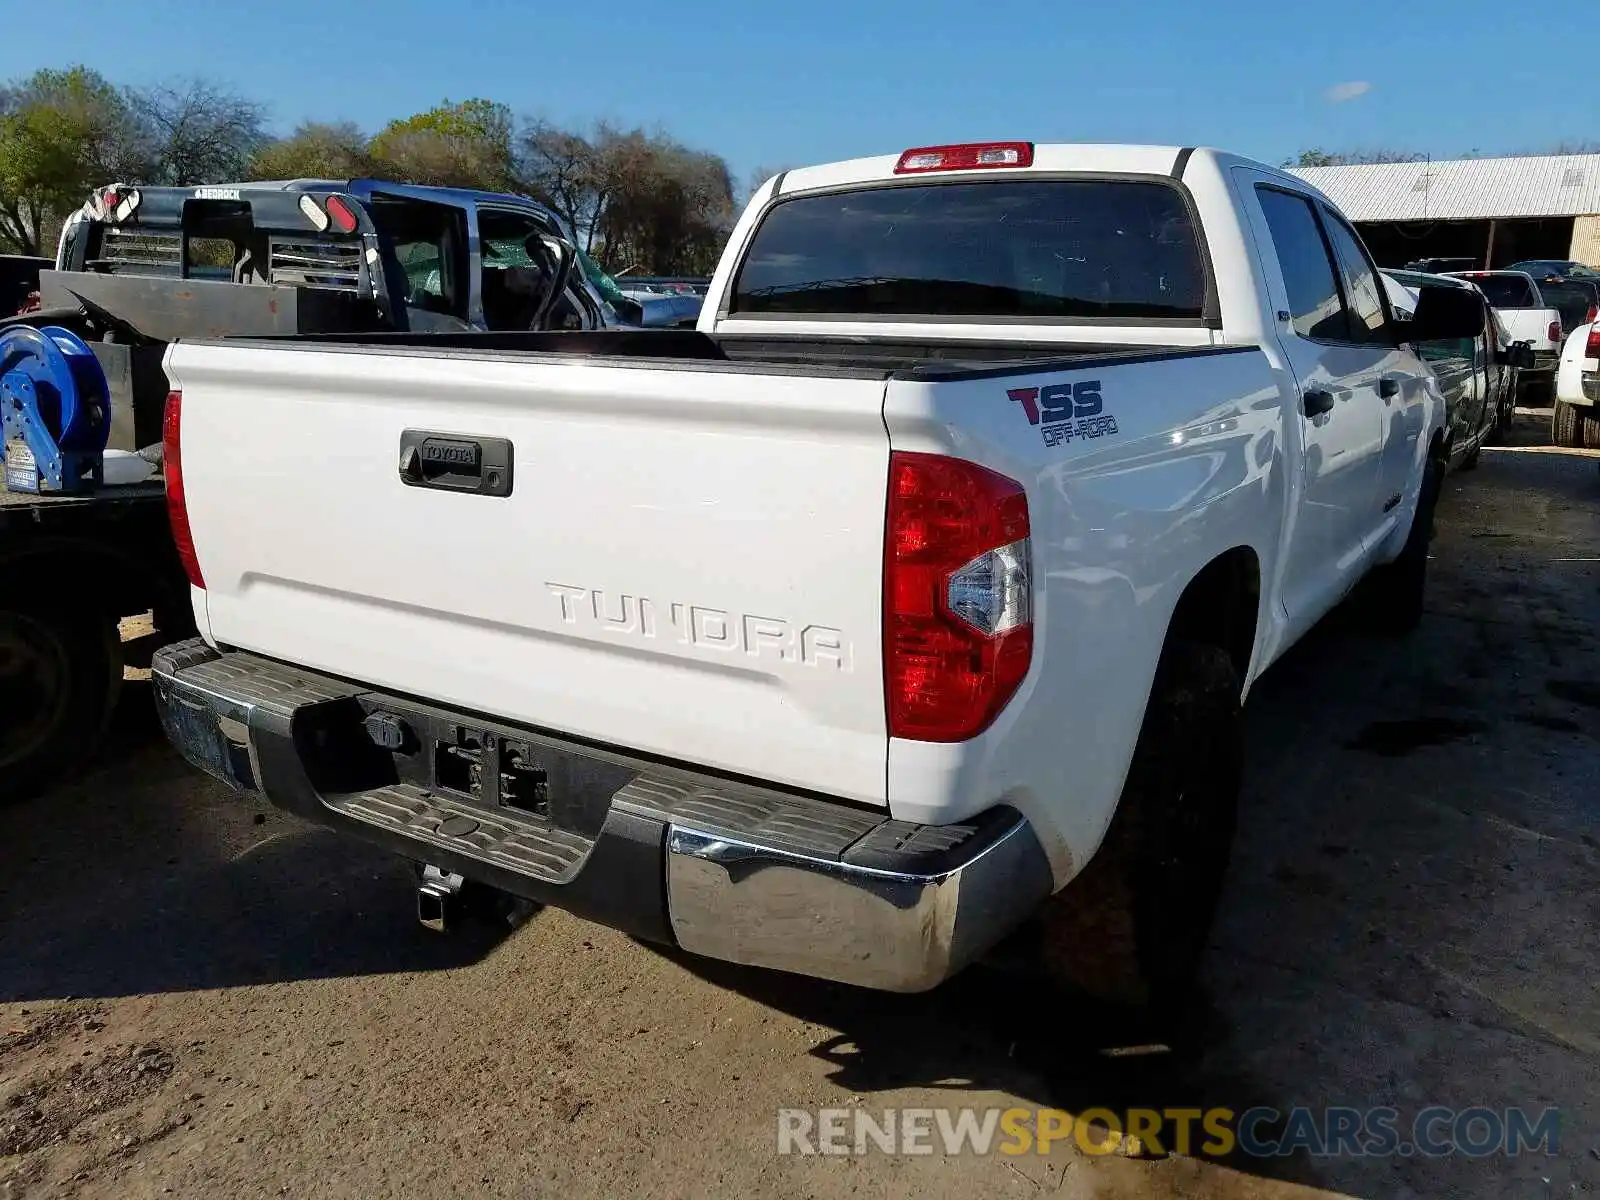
(1567,425)
(1394,592)
(1470,462)
(60,673)
(1131,930)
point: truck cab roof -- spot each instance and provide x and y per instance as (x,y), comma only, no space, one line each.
(1044,157)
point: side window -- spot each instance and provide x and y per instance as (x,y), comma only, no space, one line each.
(517,273)
(1362,286)
(426,243)
(1314,300)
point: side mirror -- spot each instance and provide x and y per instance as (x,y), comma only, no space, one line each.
(1518,354)
(1445,314)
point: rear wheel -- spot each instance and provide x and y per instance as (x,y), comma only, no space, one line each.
(1132,928)
(1567,423)
(60,672)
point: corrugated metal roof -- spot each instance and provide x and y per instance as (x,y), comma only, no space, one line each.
(1556,185)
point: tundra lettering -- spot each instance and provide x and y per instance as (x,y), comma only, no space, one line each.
(702,627)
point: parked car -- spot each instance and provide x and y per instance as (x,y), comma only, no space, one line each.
(1530,318)
(1575,421)
(669,311)
(905,606)
(1566,268)
(1479,376)
(1438,266)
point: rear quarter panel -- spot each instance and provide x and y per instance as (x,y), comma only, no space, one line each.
(1186,461)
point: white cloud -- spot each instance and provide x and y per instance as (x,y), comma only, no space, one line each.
(1341,93)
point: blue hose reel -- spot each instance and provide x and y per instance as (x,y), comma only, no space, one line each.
(56,406)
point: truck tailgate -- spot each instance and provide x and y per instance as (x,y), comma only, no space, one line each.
(689,561)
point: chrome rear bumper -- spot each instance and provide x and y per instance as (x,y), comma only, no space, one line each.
(721,868)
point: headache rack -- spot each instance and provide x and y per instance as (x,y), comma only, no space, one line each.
(272,234)
(138,251)
(309,262)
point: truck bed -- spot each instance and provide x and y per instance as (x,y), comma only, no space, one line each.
(850,358)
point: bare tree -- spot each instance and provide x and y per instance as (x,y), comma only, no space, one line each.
(671,208)
(569,172)
(199,132)
(758,179)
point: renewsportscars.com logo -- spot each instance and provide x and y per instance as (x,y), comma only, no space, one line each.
(1065,411)
(1262,1132)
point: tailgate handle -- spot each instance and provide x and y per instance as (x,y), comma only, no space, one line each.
(455,462)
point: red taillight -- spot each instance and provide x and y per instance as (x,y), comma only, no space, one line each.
(177,506)
(1591,348)
(339,213)
(957,597)
(973,156)
(111,199)
(1555,331)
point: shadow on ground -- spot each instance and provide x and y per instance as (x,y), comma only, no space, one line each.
(144,876)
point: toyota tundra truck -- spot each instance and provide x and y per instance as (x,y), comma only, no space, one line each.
(899,613)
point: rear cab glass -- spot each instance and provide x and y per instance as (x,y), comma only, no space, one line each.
(1036,249)
(1506,291)
(1571,299)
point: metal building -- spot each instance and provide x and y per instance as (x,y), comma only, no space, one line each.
(1493,210)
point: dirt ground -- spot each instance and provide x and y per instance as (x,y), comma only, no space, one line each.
(203,998)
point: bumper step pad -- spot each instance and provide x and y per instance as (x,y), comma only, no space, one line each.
(540,852)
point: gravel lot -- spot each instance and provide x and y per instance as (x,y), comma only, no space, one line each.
(202,998)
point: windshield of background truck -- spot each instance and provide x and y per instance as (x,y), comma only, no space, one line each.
(1025,249)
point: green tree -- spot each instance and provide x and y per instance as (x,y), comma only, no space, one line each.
(465,144)
(314,151)
(62,132)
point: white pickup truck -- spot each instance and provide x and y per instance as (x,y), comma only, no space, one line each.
(905,606)
(1528,316)
(1575,419)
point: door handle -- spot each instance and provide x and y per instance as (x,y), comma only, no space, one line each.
(1388,388)
(454,462)
(1316,401)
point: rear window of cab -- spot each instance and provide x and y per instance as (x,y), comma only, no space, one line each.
(1024,249)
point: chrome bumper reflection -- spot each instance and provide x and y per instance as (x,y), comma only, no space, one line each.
(879,929)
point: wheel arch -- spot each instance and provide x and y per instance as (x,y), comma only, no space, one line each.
(1221,606)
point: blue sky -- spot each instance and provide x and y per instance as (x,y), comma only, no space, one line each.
(794,82)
